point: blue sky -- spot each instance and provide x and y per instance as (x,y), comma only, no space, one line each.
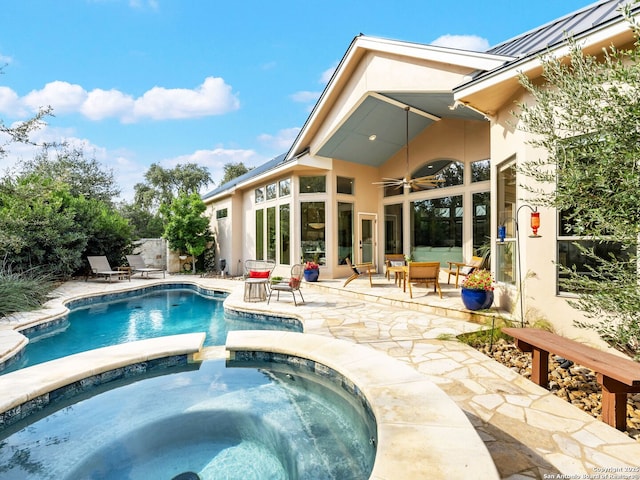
(137,82)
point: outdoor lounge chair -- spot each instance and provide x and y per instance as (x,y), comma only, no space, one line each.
(462,269)
(99,266)
(292,284)
(423,272)
(136,262)
(359,269)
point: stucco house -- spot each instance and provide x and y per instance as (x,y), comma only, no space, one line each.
(394,112)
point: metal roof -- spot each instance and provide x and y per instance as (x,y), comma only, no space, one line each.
(557,31)
(273,163)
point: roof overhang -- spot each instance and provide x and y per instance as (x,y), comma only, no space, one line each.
(382,112)
(376,129)
(489,92)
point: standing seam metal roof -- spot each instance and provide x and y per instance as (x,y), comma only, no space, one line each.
(558,30)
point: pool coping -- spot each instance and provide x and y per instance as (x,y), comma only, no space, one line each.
(420,428)
(27,390)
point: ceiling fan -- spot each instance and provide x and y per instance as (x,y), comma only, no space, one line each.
(418,183)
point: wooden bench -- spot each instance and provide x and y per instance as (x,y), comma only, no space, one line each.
(617,375)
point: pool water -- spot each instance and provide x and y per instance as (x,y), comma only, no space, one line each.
(218,422)
(159,312)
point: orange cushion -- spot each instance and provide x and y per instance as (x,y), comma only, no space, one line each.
(256,274)
(294,282)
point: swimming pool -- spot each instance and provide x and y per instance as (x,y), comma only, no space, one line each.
(147,313)
(217,422)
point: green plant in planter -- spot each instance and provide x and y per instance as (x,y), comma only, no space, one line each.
(479,280)
(275,280)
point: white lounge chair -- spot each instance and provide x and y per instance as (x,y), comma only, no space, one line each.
(136,262)
(100,268)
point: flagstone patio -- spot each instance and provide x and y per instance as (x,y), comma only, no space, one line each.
(528,431)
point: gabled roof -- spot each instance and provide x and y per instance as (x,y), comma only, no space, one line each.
(495,61)
(380,111)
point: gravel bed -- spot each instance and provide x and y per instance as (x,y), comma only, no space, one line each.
(573,383)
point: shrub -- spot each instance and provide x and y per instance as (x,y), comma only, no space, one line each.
(23,291)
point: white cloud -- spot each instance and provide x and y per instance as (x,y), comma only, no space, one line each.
(327,74)
(5,60)
(9,102)
(282,140)
(62,96)
(102,104)
(463,42)
(212,97)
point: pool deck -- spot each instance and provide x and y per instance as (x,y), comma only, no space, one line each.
(528,431)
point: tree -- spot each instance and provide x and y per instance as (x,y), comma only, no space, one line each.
(57,211)
(144,223)
(38,230)
(21,131)
(85,177)
(187,229)
(162,184)
(233,170)
(586,116)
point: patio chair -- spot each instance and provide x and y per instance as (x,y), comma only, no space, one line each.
(358,270)
(257,279)
(136,262)
(99,266)
(423,272)
(394,263)
(292,284)
(463,269)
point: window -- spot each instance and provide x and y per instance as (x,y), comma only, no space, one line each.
(259,195)
(271,191)
(393,240)
(506,267)
(344,185)
(271,233)
(480,171)
(436,228)
(317,184)
(285,243)
(345,232)
(260,234)
(481,221)
(284,187)
(312,233)
(449,172)
(393,190)
(222,213)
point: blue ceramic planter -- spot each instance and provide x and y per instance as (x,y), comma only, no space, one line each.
(311,275)
(476,299)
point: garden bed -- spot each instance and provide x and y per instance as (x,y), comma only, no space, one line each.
(573,383)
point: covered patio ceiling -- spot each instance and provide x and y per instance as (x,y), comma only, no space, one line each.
(383,115)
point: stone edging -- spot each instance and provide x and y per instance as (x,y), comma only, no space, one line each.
(420,429)
(31,389)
